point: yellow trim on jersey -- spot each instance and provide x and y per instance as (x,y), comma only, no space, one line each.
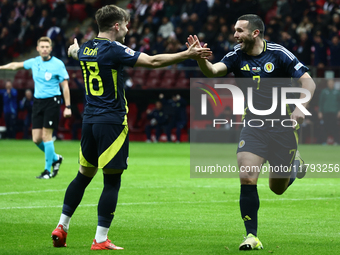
(111,152)
(83,161)
(114,77)
(105,39)
(127,110)
(245,68)
(265,45)
(85,76)
(290,113)
(244,114)
(297,126)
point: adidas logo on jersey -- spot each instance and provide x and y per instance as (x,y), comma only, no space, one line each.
(245,68)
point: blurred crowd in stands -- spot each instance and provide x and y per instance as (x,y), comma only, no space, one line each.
(308,28)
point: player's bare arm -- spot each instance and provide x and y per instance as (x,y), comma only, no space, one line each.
(207,68)
(12,66)
(306,83)
(73,50)
(66,92)
(162,60)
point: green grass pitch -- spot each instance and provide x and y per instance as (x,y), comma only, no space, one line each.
(161,210)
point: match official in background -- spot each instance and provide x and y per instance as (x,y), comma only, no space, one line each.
(48,72)
(104,140)
(258,59)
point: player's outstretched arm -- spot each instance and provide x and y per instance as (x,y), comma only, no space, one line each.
(306,83)
(207,68)
(12,66)
(162,60)
(73,50)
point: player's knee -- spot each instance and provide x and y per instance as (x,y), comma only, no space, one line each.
(36,140)
(247,179)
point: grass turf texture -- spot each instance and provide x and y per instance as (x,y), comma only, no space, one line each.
(160,209)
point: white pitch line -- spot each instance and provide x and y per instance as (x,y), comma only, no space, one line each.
(177,202)
(151,187)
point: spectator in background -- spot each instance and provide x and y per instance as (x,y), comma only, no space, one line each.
(132,43)
(89,35)
(329,110)
(31,13)
(142,10)
(150,24)
(287,41)
(157,10)
(180,36)
(210,32)
(320,51)
(187,7)
(159,46)
(171,10)
(218,9)
(6,41)
(299,9)
(60,14)
(303,49)
(305,26)
(10,108)
(283,9)
(6,7)
(77,34)
(166,29)
(24,34)
(335,51)
(177,115)
(158,121)
(201,9)
(14,23)
(145,47)
(148,34)
(26,104)
(334,26)
(44,23)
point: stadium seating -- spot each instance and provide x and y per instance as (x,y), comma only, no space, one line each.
(168,83)
(152,83)
(19,83)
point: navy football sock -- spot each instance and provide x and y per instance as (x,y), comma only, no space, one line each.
(108,200)
(74,193)
(295,169)
(249,205)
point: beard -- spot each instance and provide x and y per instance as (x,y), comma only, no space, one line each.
(248,44)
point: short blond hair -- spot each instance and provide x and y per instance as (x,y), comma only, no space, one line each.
(44,39)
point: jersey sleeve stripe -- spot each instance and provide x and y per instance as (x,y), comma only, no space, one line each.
(236,48)
(277,46)
(285,50)
(289,54)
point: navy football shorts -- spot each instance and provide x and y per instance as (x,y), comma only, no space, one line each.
(104,146)
(278,148)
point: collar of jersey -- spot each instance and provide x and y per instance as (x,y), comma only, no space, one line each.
(99,38)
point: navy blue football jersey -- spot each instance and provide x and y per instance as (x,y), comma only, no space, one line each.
(274,67)
(102,63)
